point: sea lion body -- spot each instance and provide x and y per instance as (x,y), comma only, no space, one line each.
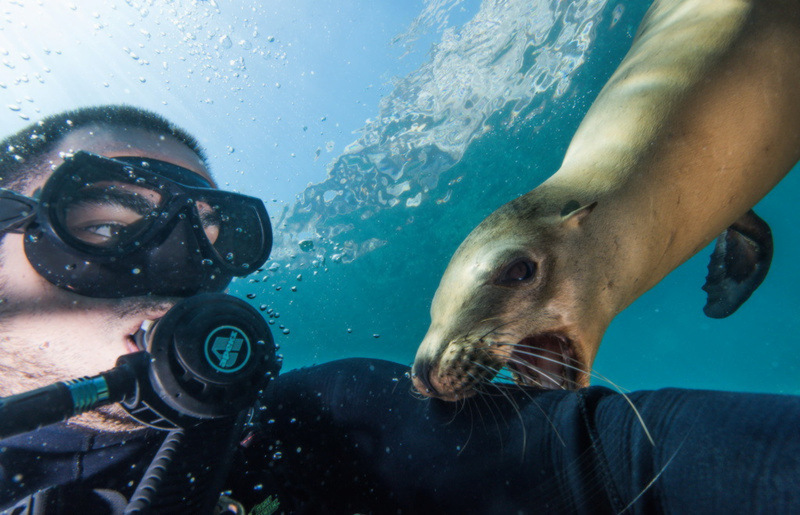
(698,123)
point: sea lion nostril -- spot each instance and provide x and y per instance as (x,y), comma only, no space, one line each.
(421,371)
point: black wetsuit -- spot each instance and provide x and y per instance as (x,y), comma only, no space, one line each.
(353,439)
(66,469)
(349,437)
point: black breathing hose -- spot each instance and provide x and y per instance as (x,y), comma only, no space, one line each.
(142,499)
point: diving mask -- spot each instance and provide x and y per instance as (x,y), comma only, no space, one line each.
(130,226)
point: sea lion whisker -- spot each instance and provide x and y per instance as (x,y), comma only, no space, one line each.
(523,378)
(471,427)
(457,410)
(561,354)
(629,401)
(514,376)
(538,406)
(598,376)
(564,361)
(417,394)
(516,410)
(544,414)
(658,475)
(502,392)
(491,411)
(523,363)
(561,362)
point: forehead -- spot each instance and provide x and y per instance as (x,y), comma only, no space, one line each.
(118,141)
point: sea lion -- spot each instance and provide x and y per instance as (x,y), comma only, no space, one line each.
(699,122)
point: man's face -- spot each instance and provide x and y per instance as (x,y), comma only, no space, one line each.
(50,334)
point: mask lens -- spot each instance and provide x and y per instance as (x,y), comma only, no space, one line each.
(107,214)
(234,229)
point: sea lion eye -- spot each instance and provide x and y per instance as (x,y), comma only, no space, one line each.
(517,272)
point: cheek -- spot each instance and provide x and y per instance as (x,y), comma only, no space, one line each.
(18,278)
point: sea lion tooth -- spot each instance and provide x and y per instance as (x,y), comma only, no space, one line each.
(699,121)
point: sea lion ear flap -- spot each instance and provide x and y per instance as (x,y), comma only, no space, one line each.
(573,214)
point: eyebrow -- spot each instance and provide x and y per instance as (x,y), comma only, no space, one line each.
(210,218)
(117,197)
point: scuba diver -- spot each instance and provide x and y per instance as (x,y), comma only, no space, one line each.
(110,217)
(114,232)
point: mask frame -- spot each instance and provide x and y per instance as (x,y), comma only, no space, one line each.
(169,254)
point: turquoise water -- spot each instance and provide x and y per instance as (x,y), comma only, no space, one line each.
(377,305)
(379,136)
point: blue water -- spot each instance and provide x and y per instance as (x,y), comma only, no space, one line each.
(377,305)
(379,135)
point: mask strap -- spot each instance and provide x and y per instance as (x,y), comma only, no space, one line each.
(16,211)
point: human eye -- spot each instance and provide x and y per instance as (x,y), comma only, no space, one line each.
(101,224)
(99,233)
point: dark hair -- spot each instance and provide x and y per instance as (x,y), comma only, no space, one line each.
(22,153)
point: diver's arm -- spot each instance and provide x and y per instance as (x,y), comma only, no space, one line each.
(353,438)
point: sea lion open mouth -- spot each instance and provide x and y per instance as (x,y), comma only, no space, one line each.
(545,360)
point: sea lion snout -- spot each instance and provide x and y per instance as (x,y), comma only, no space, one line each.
(450,370)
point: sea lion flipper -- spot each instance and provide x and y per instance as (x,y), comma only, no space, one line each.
(738,265)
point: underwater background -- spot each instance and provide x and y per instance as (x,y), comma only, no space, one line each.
(379,135)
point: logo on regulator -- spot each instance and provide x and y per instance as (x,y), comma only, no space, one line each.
(227,349)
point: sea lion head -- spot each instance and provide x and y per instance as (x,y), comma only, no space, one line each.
(522,294)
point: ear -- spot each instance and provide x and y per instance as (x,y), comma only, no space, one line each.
(573,214)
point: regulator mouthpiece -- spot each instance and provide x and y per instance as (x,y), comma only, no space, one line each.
(211,356)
